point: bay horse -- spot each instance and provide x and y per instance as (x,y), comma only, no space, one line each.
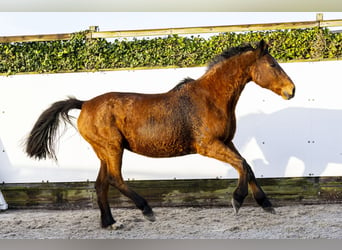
(196,116)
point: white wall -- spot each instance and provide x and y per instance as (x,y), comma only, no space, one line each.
(300,137)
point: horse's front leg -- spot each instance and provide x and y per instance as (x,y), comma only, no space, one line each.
(257,191)
(218,150)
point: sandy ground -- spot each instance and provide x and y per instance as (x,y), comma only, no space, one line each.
(290,222)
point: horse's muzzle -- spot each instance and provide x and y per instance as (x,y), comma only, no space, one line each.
(288,94)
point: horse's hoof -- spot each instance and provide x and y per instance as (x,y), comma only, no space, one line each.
(150,217)
(115,226)
(269,210)
(236,205)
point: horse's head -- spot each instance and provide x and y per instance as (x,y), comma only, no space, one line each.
(267,73)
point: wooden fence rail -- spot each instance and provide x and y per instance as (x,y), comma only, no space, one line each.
(93,31)
(170,193)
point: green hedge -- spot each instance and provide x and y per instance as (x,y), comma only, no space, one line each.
(81,54)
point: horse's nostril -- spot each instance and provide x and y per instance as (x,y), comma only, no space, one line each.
(288,93)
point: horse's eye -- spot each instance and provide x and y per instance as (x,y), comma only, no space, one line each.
(273,65)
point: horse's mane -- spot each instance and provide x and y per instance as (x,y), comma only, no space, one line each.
(183,82)
(230,53)
(217,59)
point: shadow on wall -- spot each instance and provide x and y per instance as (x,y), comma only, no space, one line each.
(293,141)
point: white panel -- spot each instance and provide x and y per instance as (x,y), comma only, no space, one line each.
(306,128)
(300,137)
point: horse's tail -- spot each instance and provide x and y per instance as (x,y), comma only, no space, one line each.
(40,143)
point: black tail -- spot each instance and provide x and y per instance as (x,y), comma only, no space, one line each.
(40,143)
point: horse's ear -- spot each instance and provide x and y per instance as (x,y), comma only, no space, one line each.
(263,47)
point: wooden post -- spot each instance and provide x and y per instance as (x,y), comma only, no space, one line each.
(94,28)
(91,31)
(319,19)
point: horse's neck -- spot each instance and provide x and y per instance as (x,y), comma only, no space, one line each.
(226,81)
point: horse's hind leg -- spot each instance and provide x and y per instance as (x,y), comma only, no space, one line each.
(114,161)
(139,201)
(102,186)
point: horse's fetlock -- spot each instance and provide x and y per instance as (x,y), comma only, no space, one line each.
(107,221)
(239,197)
(148,214)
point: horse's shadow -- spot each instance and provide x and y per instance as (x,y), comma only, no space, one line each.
(292,142)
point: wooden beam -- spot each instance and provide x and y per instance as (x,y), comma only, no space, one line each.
(330,23)
(215,29)
(94,32)
(168,193)
(35,38)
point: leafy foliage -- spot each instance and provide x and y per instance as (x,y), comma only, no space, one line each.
(82,54)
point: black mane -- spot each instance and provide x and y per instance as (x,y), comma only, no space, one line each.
(217,59)
(230,53)
(183,82)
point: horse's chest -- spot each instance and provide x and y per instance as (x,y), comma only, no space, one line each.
(222,127)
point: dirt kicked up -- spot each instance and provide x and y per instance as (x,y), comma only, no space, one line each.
(289,222)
